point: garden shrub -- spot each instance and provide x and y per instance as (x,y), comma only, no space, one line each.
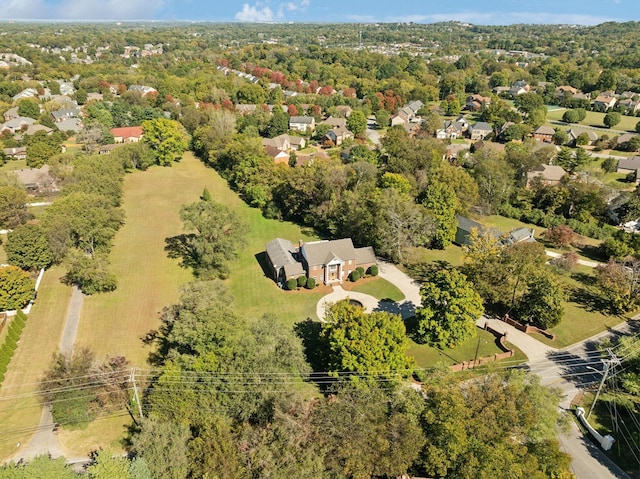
(302,281)
(355,276)
(360,270)
(311,283)
(373,270)
(292,284)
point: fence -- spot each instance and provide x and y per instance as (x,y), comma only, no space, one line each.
(507,353)
(526,328)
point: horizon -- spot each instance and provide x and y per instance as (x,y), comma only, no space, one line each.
(475,12)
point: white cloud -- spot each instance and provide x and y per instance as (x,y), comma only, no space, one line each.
(255,13)
(82,9)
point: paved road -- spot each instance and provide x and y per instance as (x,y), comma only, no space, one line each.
(44,441)
(372,133)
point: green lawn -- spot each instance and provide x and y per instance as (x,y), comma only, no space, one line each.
(13,165)
(427,356)
(379,288)
(614,180)
(39,341)
(595,119)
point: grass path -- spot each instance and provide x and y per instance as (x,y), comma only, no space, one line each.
(19,407)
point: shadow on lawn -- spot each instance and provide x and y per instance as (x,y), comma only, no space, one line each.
(180,247)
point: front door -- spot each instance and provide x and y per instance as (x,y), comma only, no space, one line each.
(334,270)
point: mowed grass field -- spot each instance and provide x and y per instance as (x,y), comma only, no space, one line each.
(596,119)
(115,323)
(20,407)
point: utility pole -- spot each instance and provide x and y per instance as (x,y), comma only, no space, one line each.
(135,391)
(612,361)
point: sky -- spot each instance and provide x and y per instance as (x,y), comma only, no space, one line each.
(479,12)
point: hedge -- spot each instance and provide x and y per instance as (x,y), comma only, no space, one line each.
(11,342)
(355,276)
(292,284)
(311,283)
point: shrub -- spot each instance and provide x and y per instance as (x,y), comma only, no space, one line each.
(355,276)
(568,261)
(311,283)
(373,270)
(292,284)
(360,270)
(420,375)
(302,281)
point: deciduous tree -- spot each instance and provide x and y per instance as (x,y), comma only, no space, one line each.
(16,288)
(167,139)
(13,206)
(28,248)
(449,311)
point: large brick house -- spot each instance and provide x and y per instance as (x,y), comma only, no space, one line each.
(329,262)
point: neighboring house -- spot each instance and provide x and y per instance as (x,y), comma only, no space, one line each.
(302,123)
(11,113)
(466,226)
(501,89)
(476,102)
(628,165)
(463,121)
(32,130)
(574,133)
(451,130)
(19,153)
(549,174)
(520,88)
(26,93)
(285,142)
(544,133)
(631,107)
(339,131)
(566,90)
(279,156)
(106,149)
(624,138)
(127,134)
(415,106)
(70,124)
(37,180)
(17,124)
(144,90)
(60,115)
(344,111)
(329,262)
(245,109)
(456,152)
(400,119)
(604,102)
(480,130)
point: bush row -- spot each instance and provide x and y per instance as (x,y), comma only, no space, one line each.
(310,283)
(10,343)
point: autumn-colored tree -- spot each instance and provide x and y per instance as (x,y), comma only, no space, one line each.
(561,236)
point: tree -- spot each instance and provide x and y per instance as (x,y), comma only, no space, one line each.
(13,206)
(163,446)
(609,165)
(611,119)
(29,107)
(39,467)
(495,179)
(441,200)
(583,139)
(382,119)
(28,248)
(357,122)
(106,465)
(619,284)
(638,127)
(367,431)
(278,124)
(373,344)
(16,288)
(39,153)
(90,273)
(499,422)
(218,233)
(560,137)
(571,116)
(81,96)
(561,236)
(543,302)
(167,139)
(449,311)
(527,103)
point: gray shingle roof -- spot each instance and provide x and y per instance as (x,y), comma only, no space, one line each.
(322,252)
(280,252)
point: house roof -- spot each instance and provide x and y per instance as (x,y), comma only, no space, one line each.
(548,172)
(334,122)
(576,132)
(280,252)
(415,105)
(322,252)
(626,137)
(365,255)
(467,224)
(521,234)
(30,176)
(632,163)
(70,112)
(307,120)
(482,126)
(74,124)
(274,152)
(544,130)
(127,132)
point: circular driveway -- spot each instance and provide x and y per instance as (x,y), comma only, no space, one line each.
(369,303)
